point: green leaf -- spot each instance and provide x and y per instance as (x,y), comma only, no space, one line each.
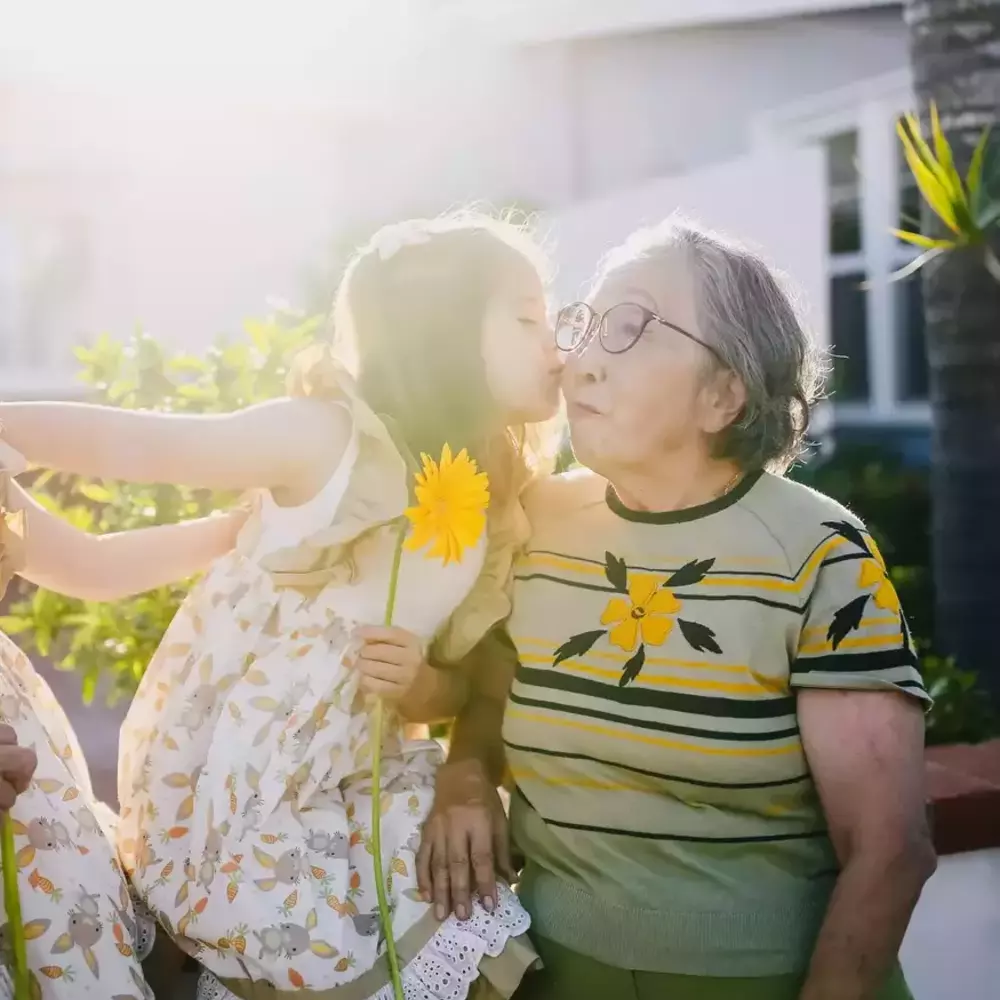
(919,240)
(933,189)
(96,492)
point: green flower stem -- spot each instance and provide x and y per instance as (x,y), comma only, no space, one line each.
(12,904)
(378,722)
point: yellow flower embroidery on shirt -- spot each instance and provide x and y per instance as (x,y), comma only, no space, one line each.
(874,574)
(644,613)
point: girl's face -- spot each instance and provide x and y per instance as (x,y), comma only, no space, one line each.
(523,367)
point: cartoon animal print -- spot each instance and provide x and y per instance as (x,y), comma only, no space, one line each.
(205,698)
(302,737)
(289,940)
(212,857)
(330,845)
(280,711)
(255,801)
(287,869)
(83,931)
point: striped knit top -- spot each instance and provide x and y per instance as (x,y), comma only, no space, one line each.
(663,800)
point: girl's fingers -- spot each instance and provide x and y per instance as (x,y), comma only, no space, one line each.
(390,634)
(380,688)
(382,671)
(384,653)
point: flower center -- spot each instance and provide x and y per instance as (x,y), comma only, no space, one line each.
(639,612)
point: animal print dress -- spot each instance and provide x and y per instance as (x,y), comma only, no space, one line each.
(245,775)
(83,936)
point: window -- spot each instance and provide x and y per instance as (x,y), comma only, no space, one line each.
(848,307)
(876,324)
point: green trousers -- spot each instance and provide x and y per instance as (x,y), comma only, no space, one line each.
(568,975)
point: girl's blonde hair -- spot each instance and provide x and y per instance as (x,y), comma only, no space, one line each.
(407,322)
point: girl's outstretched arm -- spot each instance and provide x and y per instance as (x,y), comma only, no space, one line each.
(292,445)
(115,566)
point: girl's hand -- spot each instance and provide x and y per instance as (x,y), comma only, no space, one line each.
(390,660)
(17,766)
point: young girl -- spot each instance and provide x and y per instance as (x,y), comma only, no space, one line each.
(83,936)
(245,772)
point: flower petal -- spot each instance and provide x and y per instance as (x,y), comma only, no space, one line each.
(886,597)
(663,602)
(655,629)
(871,573)
(641,587)
(625,635)
(616,610)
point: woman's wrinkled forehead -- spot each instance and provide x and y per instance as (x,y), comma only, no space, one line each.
(662,281)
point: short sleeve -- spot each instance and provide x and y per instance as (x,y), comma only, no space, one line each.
(489,601)
(854,634)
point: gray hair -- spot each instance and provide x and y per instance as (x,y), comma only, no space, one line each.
(753,324)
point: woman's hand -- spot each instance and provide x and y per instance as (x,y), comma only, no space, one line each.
(465,841)
(17,767)
(390,661)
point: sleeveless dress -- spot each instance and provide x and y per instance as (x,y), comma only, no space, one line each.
(83,935)
(245,768)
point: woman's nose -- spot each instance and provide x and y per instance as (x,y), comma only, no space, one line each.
(587,364)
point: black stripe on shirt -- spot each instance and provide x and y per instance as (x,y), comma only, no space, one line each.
(857,663)
(682,838)
(654,725)
(716,706)
(683,595)
(749,785)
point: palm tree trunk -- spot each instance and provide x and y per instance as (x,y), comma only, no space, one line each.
(955,51)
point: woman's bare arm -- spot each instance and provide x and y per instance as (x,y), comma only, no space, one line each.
(866,753)
(286,443)
(465,838)
(115,566)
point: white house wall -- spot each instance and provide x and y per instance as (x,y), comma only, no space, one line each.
(777,202)
(192,219)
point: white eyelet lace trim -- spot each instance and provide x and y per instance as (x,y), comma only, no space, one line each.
(448,965)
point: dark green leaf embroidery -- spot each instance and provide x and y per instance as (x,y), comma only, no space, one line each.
(617,572)
(690,573)
(576,645)
(851,533)
(846,620)
(631,669)
(699,637)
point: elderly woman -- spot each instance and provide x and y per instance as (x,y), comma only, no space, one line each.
(715,728)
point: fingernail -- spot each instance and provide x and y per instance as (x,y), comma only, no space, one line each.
(488,903)
(439,912)
(460,911)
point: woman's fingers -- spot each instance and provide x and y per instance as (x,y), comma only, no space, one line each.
(483,864)
(501,850)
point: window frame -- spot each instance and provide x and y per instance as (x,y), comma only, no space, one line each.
(871,108)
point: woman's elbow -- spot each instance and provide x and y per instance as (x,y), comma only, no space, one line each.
(907,858)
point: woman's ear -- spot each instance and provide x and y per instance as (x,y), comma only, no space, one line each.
(726,396)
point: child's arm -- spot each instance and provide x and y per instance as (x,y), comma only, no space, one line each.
(293,444)
(115,566)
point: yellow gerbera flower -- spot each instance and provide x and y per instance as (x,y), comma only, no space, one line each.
(644,613)
(450,514)
(874,574)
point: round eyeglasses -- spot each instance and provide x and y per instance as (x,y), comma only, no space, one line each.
(618,330)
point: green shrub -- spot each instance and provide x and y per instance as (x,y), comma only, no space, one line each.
(113,643)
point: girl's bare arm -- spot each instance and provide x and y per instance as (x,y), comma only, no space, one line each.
(115,566)
(288,444)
